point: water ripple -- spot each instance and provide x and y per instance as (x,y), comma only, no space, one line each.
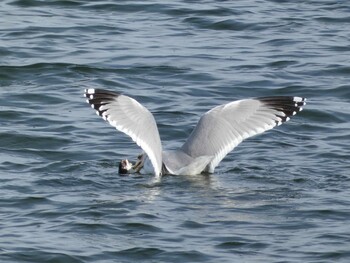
(282,196)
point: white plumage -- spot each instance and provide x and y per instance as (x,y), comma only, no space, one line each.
(217,133)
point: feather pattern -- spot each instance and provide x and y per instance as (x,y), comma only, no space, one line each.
(221,129)
(130,117)
(217,133)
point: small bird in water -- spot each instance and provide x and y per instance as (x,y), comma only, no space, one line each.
(217,132)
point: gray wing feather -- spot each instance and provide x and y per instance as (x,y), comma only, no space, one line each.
(129,116)
(221,129)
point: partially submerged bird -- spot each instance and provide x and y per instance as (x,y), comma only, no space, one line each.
(217,133)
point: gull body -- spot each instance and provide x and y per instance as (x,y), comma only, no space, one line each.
(217,133)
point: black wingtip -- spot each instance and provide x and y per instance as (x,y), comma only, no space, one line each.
(288,106)
(99,97)
(100,93)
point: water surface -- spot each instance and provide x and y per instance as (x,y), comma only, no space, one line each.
(279,197)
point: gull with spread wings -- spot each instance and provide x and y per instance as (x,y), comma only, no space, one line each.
(217,133)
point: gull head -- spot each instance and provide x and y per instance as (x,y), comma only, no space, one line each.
(125,167)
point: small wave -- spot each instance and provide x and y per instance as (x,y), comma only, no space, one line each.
(38,255)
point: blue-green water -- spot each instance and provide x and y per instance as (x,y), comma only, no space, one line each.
(280,197)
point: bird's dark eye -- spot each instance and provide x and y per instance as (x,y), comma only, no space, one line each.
(139,156)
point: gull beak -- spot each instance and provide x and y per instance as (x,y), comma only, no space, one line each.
(139,164)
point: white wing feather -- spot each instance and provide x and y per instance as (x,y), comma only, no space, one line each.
(221,129)
(129,116)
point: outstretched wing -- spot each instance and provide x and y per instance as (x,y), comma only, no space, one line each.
(129,116)
(221,129)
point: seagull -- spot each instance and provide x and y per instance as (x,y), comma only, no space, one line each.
(217,132)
